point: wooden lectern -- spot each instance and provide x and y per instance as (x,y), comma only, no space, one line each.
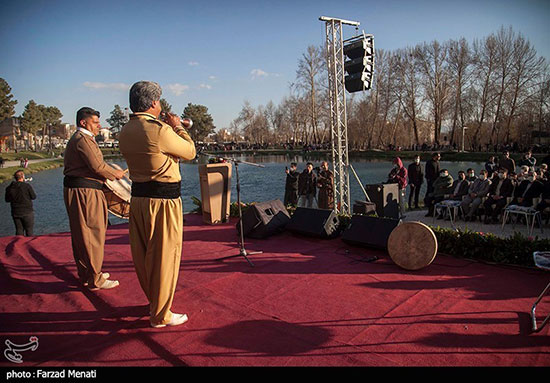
(215,181)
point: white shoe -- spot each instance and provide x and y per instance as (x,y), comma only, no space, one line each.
(106,285)
(176,320)
(105,275)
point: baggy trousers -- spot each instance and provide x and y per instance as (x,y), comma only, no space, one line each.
(88,217)
(156,235)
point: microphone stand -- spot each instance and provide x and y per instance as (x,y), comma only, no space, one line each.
(242,250)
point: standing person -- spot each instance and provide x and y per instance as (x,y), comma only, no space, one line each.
(416,177)
(291,185)
(85,173)
(325,182)
(20,195)
(398,175)
(152,149)
(432,172)
(507,162)
(307,187)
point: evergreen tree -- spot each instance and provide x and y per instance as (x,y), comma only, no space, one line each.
(32,119)
(7,105)
(118,119)
(203,123)
(166,107)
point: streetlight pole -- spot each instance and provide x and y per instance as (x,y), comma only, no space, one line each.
(463,130)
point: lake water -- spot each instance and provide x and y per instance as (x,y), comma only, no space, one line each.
(257,184)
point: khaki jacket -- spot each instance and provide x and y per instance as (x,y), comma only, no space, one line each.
(152,149)
(83,158)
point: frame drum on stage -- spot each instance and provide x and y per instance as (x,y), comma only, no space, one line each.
(412,245)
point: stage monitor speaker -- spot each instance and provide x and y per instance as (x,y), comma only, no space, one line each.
(386,199)
(369,231)
(364,207)
(321,223)
(264,219)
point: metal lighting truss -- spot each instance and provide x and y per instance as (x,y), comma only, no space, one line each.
(338,113)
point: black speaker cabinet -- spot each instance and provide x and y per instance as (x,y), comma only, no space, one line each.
(369,231)
(364,207)
(321,223)
(386,199)
(264,219)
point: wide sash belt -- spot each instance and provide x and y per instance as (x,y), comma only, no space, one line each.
(81,182)
(155,189)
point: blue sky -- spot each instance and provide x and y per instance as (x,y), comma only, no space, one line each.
(215,53)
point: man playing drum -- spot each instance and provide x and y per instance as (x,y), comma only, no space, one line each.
(152,149)
(85,173)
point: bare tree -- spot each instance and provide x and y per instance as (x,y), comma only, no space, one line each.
(408,90)
(308,77)
(459,61)
(432,60)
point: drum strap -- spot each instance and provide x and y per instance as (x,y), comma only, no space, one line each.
(81,182)
(154,189)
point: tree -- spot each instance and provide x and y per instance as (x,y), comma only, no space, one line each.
(7,104)
(166,107)
(310,67)
(408,88)
(117,120)
(51,116)
(32,119)
(432,60)
(459,61)
(203,123)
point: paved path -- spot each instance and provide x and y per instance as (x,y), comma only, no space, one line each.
(9,164)
(497,229)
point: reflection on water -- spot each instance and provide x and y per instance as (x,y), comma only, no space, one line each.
(257,184)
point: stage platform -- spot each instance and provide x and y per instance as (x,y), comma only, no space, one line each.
(306,302)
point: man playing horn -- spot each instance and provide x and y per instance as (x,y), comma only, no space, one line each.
(152,149)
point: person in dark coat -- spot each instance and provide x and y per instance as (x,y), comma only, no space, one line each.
(500,190)
(416,178)
(325,183)
(545,198)
(527,190)
(291,185)
(441,187)
(20,195)
(307,187)
(459,188)
(507,162)
(432,172)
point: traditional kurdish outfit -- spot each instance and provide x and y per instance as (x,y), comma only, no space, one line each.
(152,150)
(85,172)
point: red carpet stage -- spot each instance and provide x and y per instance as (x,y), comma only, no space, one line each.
(307,302)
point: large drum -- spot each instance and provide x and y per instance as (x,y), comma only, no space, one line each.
(412,245)
(118,194)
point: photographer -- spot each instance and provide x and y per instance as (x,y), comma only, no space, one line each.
(20,195)
(291,185)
